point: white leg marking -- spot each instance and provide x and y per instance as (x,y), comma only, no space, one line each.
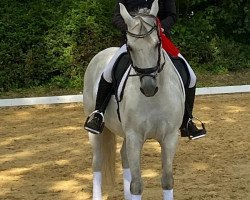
(126,183)
(97,186)
(136,197)
(168,194)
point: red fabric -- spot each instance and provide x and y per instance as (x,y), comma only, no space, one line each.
(167,44)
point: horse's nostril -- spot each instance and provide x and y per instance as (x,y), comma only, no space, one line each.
(156,90)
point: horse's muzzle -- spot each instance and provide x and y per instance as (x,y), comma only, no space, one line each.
(148,86)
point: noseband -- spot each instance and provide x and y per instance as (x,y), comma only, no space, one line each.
(152,71)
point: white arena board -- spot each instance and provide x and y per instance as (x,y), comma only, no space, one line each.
(78,98)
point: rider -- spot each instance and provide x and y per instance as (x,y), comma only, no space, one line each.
(167,17)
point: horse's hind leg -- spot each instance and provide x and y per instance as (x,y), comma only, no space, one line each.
(126,171)
(103,164)
(96,141)
(168,147)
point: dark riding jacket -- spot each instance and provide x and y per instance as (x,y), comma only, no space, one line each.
(166,14)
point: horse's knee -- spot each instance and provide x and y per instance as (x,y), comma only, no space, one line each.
(136,187)
(167,181)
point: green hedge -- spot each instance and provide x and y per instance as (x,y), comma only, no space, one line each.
(51,42)
(214,35)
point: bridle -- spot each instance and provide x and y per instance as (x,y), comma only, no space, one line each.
(152,71)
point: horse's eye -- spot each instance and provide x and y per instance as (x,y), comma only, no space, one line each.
(157,44)
(129,48)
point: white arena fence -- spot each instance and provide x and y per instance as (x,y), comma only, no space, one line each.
(78,98)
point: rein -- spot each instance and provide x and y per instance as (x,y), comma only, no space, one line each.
(159,67)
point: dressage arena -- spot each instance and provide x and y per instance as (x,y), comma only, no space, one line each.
(45,154)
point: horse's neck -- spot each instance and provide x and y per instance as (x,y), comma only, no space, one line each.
(169,74)
(168,68)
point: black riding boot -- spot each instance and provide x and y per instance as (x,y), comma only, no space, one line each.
(188,127)
(95,122)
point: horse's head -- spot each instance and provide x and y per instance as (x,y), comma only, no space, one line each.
(144,46)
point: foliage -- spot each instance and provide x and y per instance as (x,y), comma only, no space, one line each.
(214,34)
(51,42)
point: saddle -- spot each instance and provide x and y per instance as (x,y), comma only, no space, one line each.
(120,67)
(182,69)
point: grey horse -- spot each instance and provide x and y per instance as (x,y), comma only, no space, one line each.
(152,108)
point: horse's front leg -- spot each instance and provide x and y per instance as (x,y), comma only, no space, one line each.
(134,146)
(168,146)
(126,171)
(96,141)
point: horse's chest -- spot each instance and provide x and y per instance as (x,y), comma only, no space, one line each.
(151,119)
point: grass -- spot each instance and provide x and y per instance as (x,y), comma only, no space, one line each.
(204,79)
(40,91)
(209,79)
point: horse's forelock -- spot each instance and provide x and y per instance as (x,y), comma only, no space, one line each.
(143,19)
(145,11)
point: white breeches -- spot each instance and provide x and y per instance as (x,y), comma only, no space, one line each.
(107,73)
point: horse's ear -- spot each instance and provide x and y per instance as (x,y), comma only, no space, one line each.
(154,8)
(125,15)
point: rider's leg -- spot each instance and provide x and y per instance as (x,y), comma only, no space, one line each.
(188,127)
(107,73)
(192,75)
(103,95)
(102,99)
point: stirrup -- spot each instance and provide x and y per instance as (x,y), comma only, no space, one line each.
(91,116)
(203,129)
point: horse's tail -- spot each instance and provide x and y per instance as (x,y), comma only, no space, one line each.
(109,155)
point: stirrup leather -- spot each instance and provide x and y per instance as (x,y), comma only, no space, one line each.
(90,117)
(191,137)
